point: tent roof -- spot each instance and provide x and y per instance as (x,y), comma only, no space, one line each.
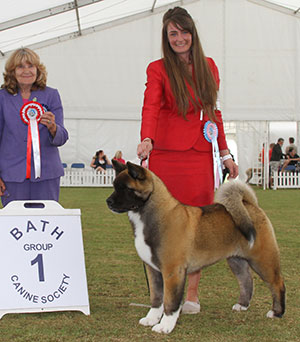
(293,4)
(38,21)
(44,21)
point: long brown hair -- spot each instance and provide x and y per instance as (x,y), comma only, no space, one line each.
(16,59)
(202,81)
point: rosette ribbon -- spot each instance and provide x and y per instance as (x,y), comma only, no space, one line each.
(211,134)
(31,113)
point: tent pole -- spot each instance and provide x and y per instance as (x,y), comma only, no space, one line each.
(78,18)
(153,6)
(297,136)
(266,161)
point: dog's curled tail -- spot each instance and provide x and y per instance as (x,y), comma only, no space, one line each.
(233,194)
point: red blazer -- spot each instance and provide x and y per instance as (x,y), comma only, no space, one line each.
(161,122)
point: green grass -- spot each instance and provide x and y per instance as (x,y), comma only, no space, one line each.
(116,279)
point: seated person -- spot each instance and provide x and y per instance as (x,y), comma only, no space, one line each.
(100,161)
(291,161)
(118,157)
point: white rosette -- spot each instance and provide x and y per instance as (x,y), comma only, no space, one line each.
(31,113)
(211,134)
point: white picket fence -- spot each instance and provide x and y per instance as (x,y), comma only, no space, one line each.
(286,180)
(91,178)
(87,178)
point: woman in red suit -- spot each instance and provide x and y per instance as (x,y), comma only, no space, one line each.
(180,97)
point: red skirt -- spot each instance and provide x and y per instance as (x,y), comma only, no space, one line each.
(188,175)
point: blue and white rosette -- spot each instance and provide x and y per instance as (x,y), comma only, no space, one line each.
(211,134)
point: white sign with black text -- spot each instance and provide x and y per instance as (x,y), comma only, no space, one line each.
(42,259)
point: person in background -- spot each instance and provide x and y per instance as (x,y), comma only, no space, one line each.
(179,100)
(27,175)
(270,150)
(118,157)
(100,161)
(261,157)
(291,161)
(276,155)
(291,144)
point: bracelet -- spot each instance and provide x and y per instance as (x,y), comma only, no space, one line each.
(147,139)
(226,157)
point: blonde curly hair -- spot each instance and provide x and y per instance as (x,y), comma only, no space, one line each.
(17,58)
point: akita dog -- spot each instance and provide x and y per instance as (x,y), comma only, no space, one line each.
(175,239)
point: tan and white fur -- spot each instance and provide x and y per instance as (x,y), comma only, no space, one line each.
(175,239)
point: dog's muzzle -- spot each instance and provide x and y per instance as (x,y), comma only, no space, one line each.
(110,204)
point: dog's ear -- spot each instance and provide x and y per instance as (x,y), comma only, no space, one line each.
(119,167)
(136,171)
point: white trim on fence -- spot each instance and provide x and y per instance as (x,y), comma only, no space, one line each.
(88,178)
(91,178)
(286,180)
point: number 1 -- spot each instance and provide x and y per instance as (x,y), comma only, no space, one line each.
(39,260)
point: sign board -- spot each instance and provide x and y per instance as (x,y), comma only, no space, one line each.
(42,264)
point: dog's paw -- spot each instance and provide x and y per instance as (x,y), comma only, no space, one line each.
(153,317)
(271,314)
(160,328)
(239,307)
(148,322)
(167,323)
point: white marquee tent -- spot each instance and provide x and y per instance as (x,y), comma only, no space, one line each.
(96,53)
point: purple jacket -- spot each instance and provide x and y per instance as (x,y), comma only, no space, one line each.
(13,137)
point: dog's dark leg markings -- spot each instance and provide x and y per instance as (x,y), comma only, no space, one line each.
(156,287)
(241,270)
(166,293)
(156,297)
(174,288)
(271,275)
(174,280)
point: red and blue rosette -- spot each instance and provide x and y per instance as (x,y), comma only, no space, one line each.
(31,113)
(211,134)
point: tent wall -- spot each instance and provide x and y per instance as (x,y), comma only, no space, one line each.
(101,76)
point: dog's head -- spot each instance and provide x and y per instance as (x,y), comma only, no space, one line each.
(132,187)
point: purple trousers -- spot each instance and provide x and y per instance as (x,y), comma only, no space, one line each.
(44,190)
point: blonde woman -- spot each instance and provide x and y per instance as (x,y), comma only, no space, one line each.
(118,156)
(23,177)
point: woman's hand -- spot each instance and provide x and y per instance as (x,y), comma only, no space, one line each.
(48,119)
(144,148)
(2,187)
(232,167)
